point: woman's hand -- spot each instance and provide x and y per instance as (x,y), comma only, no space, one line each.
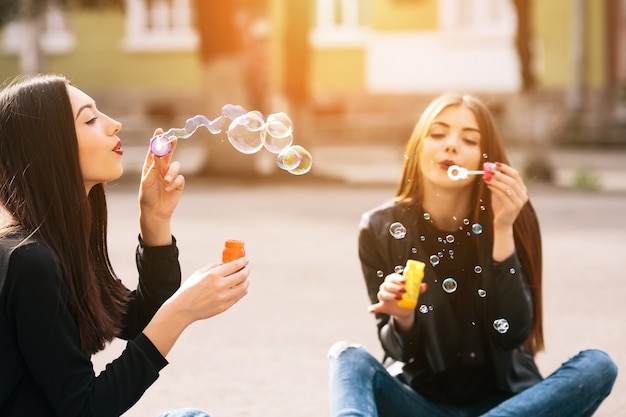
(207,293)
(159,194)
(508,196)
(389,293)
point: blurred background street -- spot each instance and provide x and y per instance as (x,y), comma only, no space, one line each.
(267,355)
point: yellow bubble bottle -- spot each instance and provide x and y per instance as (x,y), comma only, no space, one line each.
(414,274)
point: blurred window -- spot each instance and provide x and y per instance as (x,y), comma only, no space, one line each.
(56,37)
(340,22)
(478,17)
(160,25)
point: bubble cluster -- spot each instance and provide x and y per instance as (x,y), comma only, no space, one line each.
(248,133)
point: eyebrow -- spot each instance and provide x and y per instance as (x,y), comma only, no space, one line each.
(472,129)
(86,106)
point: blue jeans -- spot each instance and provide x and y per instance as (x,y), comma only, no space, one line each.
(184,412)
(360,386)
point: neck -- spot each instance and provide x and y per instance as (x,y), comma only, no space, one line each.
(447,208)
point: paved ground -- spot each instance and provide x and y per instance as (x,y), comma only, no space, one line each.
(267,355)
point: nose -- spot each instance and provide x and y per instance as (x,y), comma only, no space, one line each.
(115,125)
(451,144)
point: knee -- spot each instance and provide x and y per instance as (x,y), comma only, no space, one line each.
(352,356)
(600,366)
(338,348)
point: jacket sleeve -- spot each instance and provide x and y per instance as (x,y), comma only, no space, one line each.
(159,278)
(40,315)
(509,303)
(377,261)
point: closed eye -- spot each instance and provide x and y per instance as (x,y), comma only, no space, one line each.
(92,120)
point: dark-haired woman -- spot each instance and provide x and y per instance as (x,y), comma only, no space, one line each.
(468,346)
(60,301)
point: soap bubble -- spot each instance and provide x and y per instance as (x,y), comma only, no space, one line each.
(482,293)
(397,230)
(295,160)
(478,269)
(244,133)
(434,260)
(398,269)
(449,285)
(380,273)
(427,216)
(477,228)
(501,325)
(423,309)
(450,238)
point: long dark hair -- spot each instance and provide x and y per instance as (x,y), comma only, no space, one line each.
(526,227)
(43,194)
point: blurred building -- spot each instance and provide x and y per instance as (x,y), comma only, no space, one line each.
(351,70)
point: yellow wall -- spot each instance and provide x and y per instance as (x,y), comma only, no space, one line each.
(553,27)
(404,15)
(338,70)
(98,61)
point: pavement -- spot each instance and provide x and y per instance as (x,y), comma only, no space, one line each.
(266,356)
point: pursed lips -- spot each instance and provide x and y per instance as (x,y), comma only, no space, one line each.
(118,148)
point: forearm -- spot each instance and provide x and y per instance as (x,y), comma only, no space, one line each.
(166,326)
(503,243)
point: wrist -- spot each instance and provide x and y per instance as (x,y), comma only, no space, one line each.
(155,232)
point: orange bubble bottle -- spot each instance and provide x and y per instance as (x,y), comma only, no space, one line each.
(233,249)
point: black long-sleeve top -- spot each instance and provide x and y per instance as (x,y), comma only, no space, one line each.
(42,369)
(465,342)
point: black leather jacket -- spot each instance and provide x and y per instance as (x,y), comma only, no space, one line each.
(438,340)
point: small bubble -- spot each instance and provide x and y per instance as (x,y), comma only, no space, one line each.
(466,222)
(451,253)
(482,208)
(414,250)
(449,285)
(512,271)
(397,230)
(406,157)
(422,238)
(482,293)
(423,309)
(478,269)
(427,216)
(430,308)
(440,254)
(485,156)
(450,238)
(440,239)
(380,273)
(501,325)
(477,228)
(434,260)
(398,269)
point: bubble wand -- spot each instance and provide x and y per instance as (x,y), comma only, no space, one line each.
(456,172)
